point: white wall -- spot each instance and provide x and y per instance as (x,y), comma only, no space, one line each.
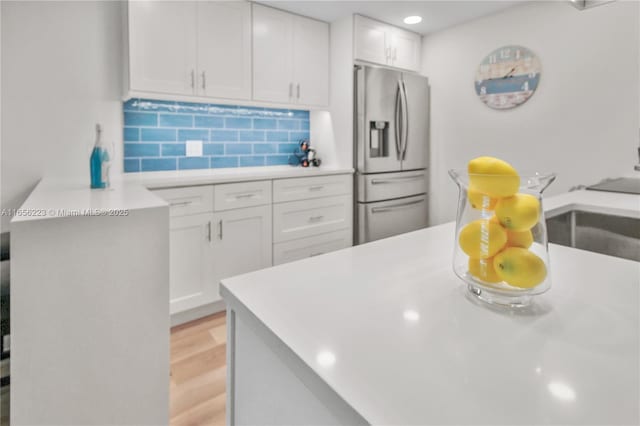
(583,120)
(341,94)
(61,74)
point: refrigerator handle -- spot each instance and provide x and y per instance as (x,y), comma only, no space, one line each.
(397,121)
(405,120)
(359,147)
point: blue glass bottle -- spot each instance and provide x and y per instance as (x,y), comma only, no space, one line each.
(98,162)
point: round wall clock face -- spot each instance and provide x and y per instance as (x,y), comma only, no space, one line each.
(507,77)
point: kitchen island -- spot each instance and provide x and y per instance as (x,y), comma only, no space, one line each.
(385,333)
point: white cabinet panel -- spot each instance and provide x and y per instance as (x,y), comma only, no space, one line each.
(312,246)
(162,46)
(242,241)
(272,55)
(311,187)
(224,49)
(311,61)
(371,40)
(406,49)
(299,219)
(385,44)
(191,262)
(245,194)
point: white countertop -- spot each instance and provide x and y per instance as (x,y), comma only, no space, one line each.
(55,198)
(389,327)
(215,176)
(612,203)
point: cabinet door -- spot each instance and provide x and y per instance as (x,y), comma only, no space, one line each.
(272,55)
(191,262)
(372,40)
(162,46)
(406,49)
(224,49)
(242,241)
(311,61)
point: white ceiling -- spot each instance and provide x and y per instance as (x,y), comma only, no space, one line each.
(436,14)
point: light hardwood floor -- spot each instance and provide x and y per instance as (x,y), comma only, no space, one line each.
(198,372)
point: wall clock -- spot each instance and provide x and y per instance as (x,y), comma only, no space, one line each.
(508,77)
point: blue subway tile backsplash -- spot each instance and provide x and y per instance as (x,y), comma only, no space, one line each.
(155,135)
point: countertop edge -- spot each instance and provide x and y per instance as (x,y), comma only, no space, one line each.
(158,180)
(304,371)
(142,185)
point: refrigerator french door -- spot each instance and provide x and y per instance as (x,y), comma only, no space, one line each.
(391,134)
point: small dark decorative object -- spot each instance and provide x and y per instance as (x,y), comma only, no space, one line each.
(304,155)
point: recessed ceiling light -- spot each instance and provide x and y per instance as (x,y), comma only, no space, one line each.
(413,20)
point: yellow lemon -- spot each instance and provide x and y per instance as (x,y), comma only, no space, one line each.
(518,213)
(483,270)
(482,239)
(519,267)
(480,201)
(522,239)
(493,177)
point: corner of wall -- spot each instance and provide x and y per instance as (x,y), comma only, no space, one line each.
(341,92)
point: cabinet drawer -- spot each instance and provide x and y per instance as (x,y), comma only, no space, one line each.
(299,219)
(238,195)
(312,187)
(312,246)
(187,200)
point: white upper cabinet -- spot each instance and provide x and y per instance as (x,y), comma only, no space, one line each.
(406,48)
(384,44)
(190,48)
(162,47)
(224,49)
(371,40)
(290,58)
(272,55)
(311,61)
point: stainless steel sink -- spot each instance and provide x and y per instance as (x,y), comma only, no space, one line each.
(613,235)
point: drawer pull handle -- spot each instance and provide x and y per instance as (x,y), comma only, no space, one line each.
(209,231)
(396,206)
(239,197)
(315,218)
(396,179)
(180,203)
(316,188)
(315,254)
(220,229)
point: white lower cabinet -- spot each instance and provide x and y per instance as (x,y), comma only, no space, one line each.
(311,216)
(242,241)
(191,266)
(290,251)
(218,231)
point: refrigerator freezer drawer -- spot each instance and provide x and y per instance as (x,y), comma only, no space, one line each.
(387,218)
(386,186)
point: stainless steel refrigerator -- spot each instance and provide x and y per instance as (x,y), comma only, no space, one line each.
(391,149)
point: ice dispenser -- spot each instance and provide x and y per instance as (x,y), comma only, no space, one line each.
(379,138)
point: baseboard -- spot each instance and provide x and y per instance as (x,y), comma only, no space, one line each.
(196,313)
